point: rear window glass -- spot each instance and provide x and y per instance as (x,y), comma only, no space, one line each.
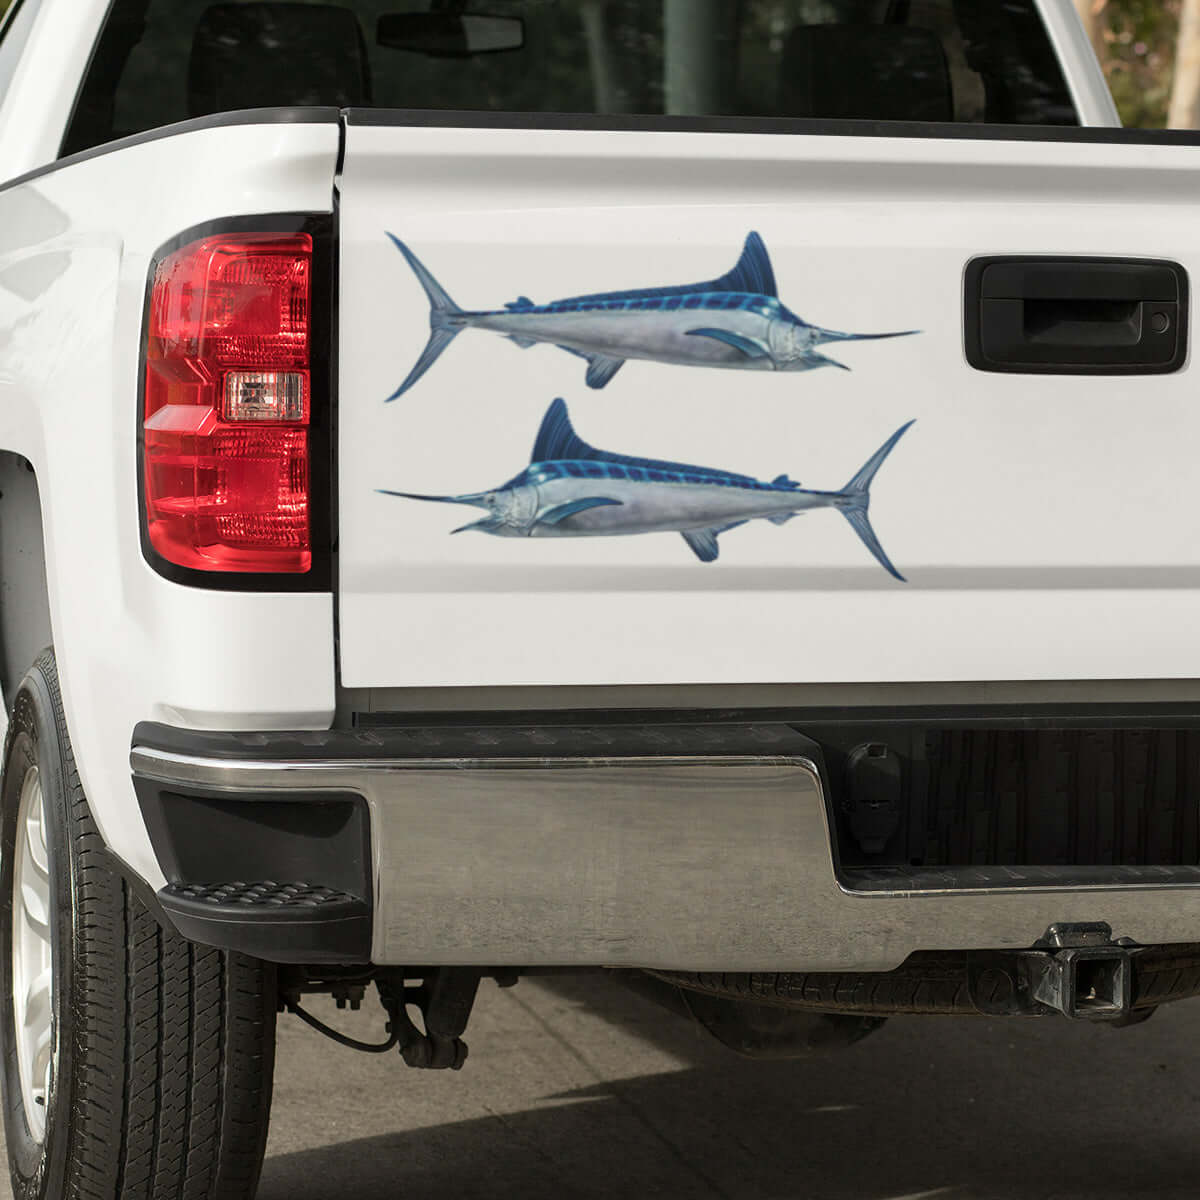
(160,61)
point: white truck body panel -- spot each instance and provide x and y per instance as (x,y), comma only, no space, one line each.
(1045,534)
(75,249)
(38,103)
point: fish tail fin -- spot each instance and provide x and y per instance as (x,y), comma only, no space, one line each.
(858,495)
(441,306)
(444,318)
(861,524)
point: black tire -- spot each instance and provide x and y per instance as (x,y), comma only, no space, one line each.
(161,1083)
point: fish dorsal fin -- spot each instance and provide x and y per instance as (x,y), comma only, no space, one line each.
(557,440)
(519,303)
(752,274)
(784,481)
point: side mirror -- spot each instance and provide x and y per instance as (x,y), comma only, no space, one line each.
(450,35)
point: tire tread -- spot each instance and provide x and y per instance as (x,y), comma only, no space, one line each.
(173,1042)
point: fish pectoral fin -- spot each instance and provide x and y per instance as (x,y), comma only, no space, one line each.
(703,543)
(750,347)
(560,512)
(601,369)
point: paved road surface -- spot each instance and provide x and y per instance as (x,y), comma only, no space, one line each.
(577,1088)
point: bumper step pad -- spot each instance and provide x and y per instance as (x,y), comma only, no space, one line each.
(282,922)
(269,893)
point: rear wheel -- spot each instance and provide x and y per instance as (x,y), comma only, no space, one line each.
(135,1064)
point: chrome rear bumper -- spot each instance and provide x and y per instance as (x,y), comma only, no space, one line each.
(692,862)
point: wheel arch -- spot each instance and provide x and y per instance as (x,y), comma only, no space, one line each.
(24,595)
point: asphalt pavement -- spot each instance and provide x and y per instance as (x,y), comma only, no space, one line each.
(578,1088)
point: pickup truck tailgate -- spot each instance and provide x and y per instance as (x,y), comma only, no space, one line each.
(1045,525)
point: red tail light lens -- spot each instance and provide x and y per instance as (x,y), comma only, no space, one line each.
(227,405)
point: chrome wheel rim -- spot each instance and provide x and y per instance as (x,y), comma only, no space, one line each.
(32,953)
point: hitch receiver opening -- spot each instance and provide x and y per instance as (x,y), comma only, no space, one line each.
(1088,984)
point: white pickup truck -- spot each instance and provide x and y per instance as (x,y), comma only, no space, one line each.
(292,292)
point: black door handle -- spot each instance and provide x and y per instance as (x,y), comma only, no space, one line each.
(1076,316)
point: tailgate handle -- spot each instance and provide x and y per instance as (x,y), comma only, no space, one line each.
(1076,316)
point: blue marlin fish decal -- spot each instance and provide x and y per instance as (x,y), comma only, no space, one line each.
(736,321)
(570,489)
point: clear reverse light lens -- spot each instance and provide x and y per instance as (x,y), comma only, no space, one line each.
(265,396)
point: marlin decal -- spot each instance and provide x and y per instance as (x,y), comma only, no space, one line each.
(736,321)
(571,489)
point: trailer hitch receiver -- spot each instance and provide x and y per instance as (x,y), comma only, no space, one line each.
(1087,976)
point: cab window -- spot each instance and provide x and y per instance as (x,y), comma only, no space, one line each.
(160,61)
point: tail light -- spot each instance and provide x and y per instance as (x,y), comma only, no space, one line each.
(228,396)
